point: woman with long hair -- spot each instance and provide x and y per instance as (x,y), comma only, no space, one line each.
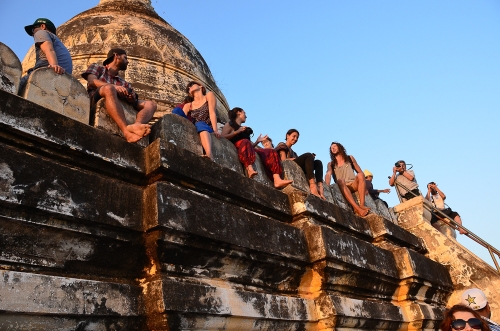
(460,317)
(313,169)
(342,168)
(202,110)
(240,137)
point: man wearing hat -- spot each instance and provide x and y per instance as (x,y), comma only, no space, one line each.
(475,298)
(50,51)
(373,192)
(104,82)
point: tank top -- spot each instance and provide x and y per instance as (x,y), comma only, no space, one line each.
(242,135)
(201,114)
(345,172)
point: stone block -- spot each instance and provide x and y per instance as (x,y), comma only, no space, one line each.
(422,279)
(177,304)
(327,192)
(99,118)
(390,236)
(30,181)
(292,171)
(317,211)
(339,199)
(226,155)
(10,70)
(384,211)
(421,316)
(173,208)
(178,131)
(350,265)
(67,140)
(60,93)
(34,294)
(344,313)
(180,166)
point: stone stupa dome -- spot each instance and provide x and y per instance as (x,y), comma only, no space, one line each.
(162,60)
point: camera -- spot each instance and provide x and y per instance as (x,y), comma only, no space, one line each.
(397,165)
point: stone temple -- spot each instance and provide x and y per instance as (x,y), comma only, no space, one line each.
(100,234)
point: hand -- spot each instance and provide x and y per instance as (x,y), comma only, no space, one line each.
(261,138)
(217,134)
(394,170)
(121,91)
(57,69)
(387,190)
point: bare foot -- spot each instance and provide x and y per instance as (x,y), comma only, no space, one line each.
(207,156)
(251,173)
(362,212)
(131,137)
(282,183)
(321,191)
(314,189)
(139,129)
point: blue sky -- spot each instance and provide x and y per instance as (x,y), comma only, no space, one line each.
(390,80)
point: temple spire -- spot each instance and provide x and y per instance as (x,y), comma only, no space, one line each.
(146,2)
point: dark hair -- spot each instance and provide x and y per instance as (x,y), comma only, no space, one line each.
(342,152)
(431,183)
(448,317)
(191,83)
(187,99)
(289,132)
(233,113)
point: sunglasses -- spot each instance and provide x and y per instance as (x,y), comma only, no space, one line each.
(459,324)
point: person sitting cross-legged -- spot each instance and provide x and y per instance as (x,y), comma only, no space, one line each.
(342,168)
(104,82)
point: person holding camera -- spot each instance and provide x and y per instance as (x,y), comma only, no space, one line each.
(312,168)
(437,197)
(240,136)
(408,187)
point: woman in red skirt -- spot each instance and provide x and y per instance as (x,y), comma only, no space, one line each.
(240,137)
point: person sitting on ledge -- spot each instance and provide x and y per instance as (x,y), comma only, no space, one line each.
(374,193)
(437,197)
(342,168)
(179,109)
(240,137)
(104,82)
(49,49)
(313,169)
(202,110)
(406,178)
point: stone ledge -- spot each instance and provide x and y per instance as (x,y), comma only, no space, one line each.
(30,181)
(170,207)
(41,295)
(184,297)
(60,93)
(10,70)
(39,129)
(386,231)
(177,165)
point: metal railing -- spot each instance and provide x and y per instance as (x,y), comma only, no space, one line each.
(451,222)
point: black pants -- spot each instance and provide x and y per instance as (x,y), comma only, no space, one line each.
(409,196)
(311,167)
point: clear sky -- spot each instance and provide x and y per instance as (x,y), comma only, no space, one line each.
(390,80)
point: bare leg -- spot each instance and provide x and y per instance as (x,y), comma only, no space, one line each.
(459,221)
(279,183)
(250,172)
(348,196)
(115,111)
(360,179)
(313,187)
(206,142)
(321,190)
(145,114)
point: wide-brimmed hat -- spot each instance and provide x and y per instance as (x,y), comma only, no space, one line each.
(111,55)
(50,26)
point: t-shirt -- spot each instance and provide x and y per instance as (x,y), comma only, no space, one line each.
(62,53)
(438,201)
(102,74)
(288,150)
(410,184)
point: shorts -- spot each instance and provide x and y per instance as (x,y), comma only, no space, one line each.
(448,212)
(202,126)
(349,185)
